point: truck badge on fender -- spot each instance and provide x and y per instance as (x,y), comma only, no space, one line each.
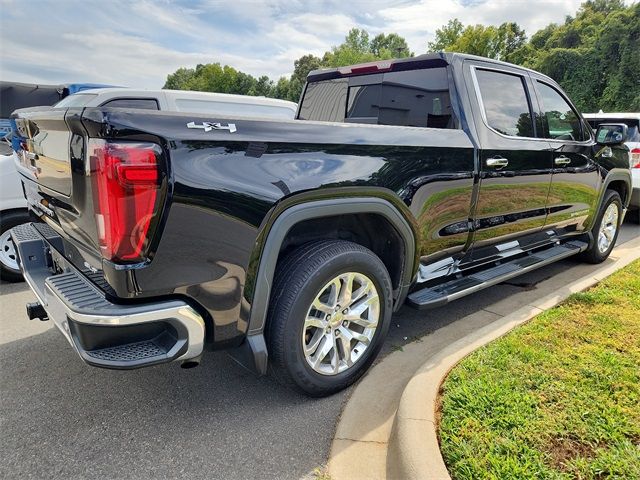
(208,126)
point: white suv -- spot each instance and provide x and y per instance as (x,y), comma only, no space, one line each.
(632,120)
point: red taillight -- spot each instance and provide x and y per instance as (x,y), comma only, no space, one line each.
(634,158)
(126,183)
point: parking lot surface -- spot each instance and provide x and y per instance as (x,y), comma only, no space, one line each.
(62,419)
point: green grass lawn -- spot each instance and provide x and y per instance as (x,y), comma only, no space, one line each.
(558,397)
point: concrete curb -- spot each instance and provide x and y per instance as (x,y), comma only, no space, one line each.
(413,451)
(388,426)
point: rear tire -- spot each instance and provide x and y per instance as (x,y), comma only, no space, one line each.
(9,269)
(329,314)
(605,229)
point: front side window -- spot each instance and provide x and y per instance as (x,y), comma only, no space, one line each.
(505,102)
(561,121)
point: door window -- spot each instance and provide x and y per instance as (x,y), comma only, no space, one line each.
(561,121)
(505,102)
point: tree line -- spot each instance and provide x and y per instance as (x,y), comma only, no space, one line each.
(594,55)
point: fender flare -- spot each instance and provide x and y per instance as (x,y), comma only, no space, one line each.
(318,209)
(252,353)
(616,174)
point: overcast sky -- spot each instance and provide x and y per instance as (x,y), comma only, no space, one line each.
(137,43)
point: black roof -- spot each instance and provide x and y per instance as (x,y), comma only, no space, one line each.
(427,60)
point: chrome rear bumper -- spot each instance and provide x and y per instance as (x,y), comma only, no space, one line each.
(104,334)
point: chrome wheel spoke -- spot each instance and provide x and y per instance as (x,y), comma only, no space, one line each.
(316,322)
(322,307)
(608,228)
(312,346)
(341,323)
(327,344)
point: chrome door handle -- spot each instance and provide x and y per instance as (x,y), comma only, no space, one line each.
(497,162)
(562,160)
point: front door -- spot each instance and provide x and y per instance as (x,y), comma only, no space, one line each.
(515,165)
(576,179)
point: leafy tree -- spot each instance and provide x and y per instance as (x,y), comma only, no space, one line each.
(178,79)
(390,46)
(446,36)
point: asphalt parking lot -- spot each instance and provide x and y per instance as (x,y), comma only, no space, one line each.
(62,419)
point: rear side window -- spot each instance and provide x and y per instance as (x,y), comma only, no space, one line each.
(505,102)
(415,98)
(140,103)
(325,101)
(561,121)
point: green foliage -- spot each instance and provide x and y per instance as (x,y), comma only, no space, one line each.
(555,398)
(503,43)
(595,56)
(356,48)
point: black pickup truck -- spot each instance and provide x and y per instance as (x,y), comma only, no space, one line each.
(292,242)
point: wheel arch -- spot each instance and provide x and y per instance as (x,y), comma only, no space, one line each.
(263,265)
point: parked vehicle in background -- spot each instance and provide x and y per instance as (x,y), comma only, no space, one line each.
(13,205)
(423,179)
(184,101)
(632,120)
(15,96)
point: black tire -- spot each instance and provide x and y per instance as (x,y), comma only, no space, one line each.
(9,220)
(593,254)
(299,278)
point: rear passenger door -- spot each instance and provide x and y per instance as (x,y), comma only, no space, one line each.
(514,164)
(576,180)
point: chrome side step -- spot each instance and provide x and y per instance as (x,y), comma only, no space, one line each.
(438,295)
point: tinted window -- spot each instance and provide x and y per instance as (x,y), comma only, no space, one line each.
(325,101)
(141,103)
(505,103)
(562,122)
(76,100)
(633,134)
(417,98)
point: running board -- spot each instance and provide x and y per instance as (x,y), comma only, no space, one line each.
(438,295)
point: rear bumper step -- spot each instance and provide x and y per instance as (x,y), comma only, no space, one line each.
(103,333)
(438,295)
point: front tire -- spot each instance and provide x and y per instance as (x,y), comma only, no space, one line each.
(329,314)
(606,228)
(9,269)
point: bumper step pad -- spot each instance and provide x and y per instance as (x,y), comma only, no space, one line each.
(441,294)
(105,334)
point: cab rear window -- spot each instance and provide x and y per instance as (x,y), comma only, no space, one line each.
(415,98)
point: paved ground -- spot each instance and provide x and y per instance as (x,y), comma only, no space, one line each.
(59,418)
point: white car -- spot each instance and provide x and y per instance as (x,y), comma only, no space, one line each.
(13,206)
(183,101)
(13,211)
(632,120)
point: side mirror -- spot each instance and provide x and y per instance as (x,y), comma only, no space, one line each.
(611,134)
